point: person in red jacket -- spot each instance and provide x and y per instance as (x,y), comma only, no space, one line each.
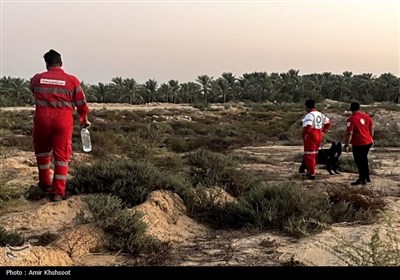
(359,133)
(56,95)
(314,125)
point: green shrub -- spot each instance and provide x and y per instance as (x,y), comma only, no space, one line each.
(128,179)
(124,229)
(8,192)
(214,169)
(139,147)
(11,238)
(20,142)
(346,164)
(183,145)
(204,204)
(201,105)
(284,206)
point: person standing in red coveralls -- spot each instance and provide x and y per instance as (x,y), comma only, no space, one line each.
(359,133)
(314,125)
(56,95)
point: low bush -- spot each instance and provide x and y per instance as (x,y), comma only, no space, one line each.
(282,206)
(124,229)
(126,178)
(11,238)
(214,169)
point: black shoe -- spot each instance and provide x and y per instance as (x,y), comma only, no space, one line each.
(56,197)
(44,188)
(309,177)
(368,180)
(358,182)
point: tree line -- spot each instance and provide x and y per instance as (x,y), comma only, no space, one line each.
(256,87)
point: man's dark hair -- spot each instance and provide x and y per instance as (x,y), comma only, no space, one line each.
(310,104)
(354,106)
(52,58)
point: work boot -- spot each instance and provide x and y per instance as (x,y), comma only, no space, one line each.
(308,177)
(56,197)
(358,182)
(44,188)
(37,192)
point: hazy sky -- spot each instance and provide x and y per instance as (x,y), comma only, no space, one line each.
(165,40)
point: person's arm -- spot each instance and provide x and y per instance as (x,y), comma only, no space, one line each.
(347,140)
(371,128)
(306,131)
(327,125)
(32,83)
(81,105)
(307,125)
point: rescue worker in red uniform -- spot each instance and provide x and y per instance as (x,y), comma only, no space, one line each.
(359,133)
(314,125)
(56,95)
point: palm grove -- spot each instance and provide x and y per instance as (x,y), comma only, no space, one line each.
(256,87)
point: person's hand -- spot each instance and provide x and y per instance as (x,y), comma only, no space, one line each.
(86,124)
(346,148)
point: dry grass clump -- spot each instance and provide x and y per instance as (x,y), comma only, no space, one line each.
(360,198)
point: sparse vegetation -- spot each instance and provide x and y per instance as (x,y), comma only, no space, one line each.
(195,154)
(287,207)
(213,169)
(381,249)
(11,238)
(124,229)
(8,192)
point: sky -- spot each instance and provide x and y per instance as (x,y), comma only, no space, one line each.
(180,40)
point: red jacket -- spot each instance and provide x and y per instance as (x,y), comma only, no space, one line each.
(56,89)
(360,124)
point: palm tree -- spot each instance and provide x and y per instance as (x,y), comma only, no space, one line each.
(338,87)
(117,88)
(222,87)
(389,84)
(164,90)
(100,92)
(150,88)
(174,86)
(189,92)
(130,88)
(18,90)
(205,81)
(230,79)
(364,85)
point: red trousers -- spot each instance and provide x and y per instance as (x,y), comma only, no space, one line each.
(52,136)
(312,142)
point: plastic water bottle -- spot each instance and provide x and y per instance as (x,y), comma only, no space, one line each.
(86,143)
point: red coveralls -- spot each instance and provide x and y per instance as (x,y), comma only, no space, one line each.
(314,124)
(56,95)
